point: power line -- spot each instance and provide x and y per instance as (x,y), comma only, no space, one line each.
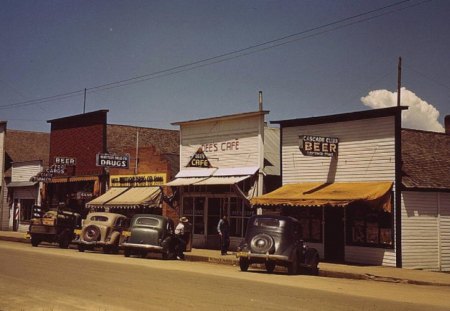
(305,34)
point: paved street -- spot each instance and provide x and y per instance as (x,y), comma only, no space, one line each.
(49,278)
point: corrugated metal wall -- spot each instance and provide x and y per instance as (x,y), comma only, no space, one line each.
(366,152)
(420,230)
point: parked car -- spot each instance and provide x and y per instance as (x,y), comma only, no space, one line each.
(151,233)
(102,230)
(54,227)
(276,240)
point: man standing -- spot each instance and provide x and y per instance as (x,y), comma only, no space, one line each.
(179,233)
(223,227)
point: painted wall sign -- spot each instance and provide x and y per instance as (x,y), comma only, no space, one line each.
(199,159)
(113,160)
(67,161)
(139,180)
(318,146)
(231,145)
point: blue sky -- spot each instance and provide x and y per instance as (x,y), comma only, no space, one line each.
(62,47)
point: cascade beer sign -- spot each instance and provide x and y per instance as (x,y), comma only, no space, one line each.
(318,146)
(199,160)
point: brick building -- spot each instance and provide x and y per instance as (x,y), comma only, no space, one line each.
(81,179)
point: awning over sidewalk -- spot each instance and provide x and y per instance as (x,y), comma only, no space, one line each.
(320,194)
(128,197)
(217,176)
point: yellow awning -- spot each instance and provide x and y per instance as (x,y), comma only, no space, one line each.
(107,196)
(137,196)
(320,194)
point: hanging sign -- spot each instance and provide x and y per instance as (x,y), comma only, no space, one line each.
(199,160)
(318,146)
(113,160)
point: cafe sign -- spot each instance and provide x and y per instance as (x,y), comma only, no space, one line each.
(199,159)
(318,146)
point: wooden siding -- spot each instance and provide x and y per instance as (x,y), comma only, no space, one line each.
(420,247)
(217,133)
(366,152)
(24,171)
(444,230)
(370,255)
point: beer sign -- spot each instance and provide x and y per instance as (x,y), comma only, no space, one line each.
(318,146)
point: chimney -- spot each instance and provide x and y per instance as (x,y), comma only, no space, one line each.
(447,124)
(260,100)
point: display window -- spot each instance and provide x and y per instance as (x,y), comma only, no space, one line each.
(310,218)
(369,226)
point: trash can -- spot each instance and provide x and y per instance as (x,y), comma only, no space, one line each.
(187,237)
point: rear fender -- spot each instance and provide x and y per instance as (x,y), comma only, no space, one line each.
(114,238)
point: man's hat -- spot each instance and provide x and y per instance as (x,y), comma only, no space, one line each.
(184,219)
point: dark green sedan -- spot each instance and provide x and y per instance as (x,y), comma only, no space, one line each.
(150,233)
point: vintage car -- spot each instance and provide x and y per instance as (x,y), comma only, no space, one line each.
(54,226)
(151,233)
(102,230)
(276,240)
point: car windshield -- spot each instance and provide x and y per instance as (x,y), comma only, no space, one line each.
(146,221)
(99,218)
(266,222)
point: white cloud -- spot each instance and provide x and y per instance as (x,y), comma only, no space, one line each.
(420,114)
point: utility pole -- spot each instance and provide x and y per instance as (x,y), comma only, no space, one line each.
(84,103)
(399,80)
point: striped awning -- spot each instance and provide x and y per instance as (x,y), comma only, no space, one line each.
(128,197)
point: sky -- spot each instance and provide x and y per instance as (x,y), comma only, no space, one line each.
(152,63)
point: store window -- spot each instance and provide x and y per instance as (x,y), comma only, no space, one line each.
(310,218)
(194,209)
(369,226)
(239,215)
(26,208)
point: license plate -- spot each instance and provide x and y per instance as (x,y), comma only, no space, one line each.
(126,233)
(27,236)
(241,254)
(77,231)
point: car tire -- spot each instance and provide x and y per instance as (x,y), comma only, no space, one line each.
(244,264)
(127,253)
(91,233)
(314,269)
(81,248)
(35,241)
(107,249)
(64,241)
(293,266)
(262,243)
(270,266)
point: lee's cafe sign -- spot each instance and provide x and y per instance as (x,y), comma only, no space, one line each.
(318,146)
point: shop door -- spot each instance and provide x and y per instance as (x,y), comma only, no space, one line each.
(334,243)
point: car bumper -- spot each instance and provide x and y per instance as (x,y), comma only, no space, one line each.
(261,257)
(94,243)
(154,248)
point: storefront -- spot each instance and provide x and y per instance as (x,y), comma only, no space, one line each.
(339,178)
(224,162)
(131,194)
(23,193)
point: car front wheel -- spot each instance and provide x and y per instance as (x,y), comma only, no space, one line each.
(293,265)
(243,264)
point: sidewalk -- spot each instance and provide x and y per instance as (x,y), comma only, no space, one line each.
(376,273)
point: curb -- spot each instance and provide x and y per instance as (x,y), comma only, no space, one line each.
(231,261)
